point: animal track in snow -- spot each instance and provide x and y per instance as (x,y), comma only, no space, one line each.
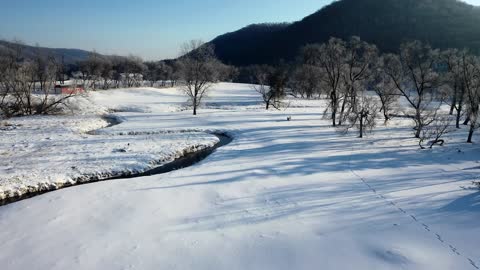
(425,226)
(439,237)
(473,263)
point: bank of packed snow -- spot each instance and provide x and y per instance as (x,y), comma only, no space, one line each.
(48,152)
(282,195)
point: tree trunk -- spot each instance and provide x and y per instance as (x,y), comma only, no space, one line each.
(342,112)
(361,126)
(334,120)
(385,115)
(418,132)
(467,121)
(195,103)
(459,115)
(333,98)
(418,119)
(454,103)
(470,134)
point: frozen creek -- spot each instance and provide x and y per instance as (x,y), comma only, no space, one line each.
(189,157)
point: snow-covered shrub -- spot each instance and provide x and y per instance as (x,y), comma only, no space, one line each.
(433,133)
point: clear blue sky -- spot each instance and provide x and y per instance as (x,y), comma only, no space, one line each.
(152,29)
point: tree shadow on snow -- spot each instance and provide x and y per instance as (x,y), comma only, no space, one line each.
(469,203)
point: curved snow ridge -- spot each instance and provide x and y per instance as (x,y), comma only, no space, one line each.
(226,132)
(20,192)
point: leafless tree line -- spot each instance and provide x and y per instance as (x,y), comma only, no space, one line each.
(194,71)
(360,83)
(107,72)
(26,85)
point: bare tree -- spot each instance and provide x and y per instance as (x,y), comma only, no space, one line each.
(10,67)
(270,83)
(361,115)
(329,58)
(4,90)
(19,80)
(174,73)
(471,82)
(83,73)
(358,108)
(386,92)
(106,72)
(277,81)
(453,59)
(261,76)
(230,73)
(360,64)
(116,77)
(94,66)
(414,75)
(306,81)
(152,72)
(45,69)
(132,70)
(199,69)
(96,69)
(164,73)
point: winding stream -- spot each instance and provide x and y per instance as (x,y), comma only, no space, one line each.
(177,164)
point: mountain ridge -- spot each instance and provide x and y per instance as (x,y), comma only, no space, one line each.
(386,23)
(70,56)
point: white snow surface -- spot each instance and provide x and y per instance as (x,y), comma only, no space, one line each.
(43,151)
(283,195)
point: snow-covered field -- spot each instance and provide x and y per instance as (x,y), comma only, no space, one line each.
(282,195)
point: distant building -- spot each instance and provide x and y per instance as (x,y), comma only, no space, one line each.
(68,87)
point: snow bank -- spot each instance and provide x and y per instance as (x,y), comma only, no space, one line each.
(49,152)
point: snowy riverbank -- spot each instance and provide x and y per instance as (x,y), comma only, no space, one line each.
(44,153)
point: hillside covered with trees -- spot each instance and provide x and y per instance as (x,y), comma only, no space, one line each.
(70,56)
(385,23)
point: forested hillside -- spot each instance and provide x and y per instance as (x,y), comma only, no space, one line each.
(386,23)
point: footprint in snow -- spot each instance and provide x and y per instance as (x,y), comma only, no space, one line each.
(454,250)
(473,263)
(439,238)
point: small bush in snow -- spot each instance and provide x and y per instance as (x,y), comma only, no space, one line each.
(476,184)
(433,133)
